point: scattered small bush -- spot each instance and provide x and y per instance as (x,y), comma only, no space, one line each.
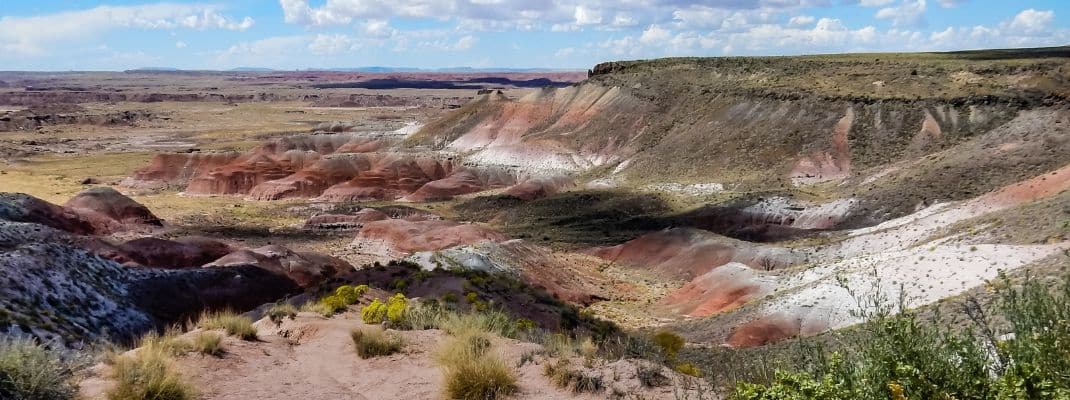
(421,317)
(208,343)
(493,321)
(396,308)
(374,313)
(563,375)
(171,342)
(525,325)
(472,370)
(669,343)
(375,343)
(350,294)
(235,325)
(28,370)
(688,369)
(281,311)
(148,374)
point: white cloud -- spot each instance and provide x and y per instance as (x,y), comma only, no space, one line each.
(950,3)
(801,20)
(180,45)
(654,34)
(555,15)
(1032,21)
(587,16)
(875,3)
(331,44)
(465,43)
(907,14)
(32,36)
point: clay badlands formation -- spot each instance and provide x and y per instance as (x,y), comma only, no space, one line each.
(740,203)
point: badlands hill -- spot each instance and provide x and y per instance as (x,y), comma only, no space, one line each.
(744,204)
(760,182)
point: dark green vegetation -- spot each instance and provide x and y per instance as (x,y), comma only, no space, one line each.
(1013,348)
(468,290)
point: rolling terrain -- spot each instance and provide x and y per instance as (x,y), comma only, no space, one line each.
(740,203)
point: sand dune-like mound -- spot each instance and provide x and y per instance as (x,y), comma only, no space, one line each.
(110,211)
(304,268)
(177,169)
(540,186)
(685,253)
(399,237)
(570,277)
(189,252)
(19,207)
(463,181)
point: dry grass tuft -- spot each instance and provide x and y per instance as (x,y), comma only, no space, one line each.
(235,325)
(473,370)
(372,342)
(148,373)
(208,343)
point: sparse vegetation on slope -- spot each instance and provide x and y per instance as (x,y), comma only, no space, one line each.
(904,357)
(30,371)
(236,325)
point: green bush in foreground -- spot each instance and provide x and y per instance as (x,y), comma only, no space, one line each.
(28,370)
(900,357)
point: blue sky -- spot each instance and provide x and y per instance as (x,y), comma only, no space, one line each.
(571,34)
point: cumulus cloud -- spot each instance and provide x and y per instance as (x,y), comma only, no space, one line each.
(1032,21)
(907,14)
(802,35)
(34,35)
(557,15)
(801,20)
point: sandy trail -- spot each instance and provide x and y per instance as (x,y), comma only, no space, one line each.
(312,358)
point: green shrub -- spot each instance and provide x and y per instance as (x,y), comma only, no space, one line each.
(148,374)
(902,357)
(235,325)
(29,370)
(525,325)
(800,386)
(330,305)
(669,343)
(396,308)
(688,369)
(347,294)
(374,313)
(375,343)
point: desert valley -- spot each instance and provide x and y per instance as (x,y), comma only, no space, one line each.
(677,228)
